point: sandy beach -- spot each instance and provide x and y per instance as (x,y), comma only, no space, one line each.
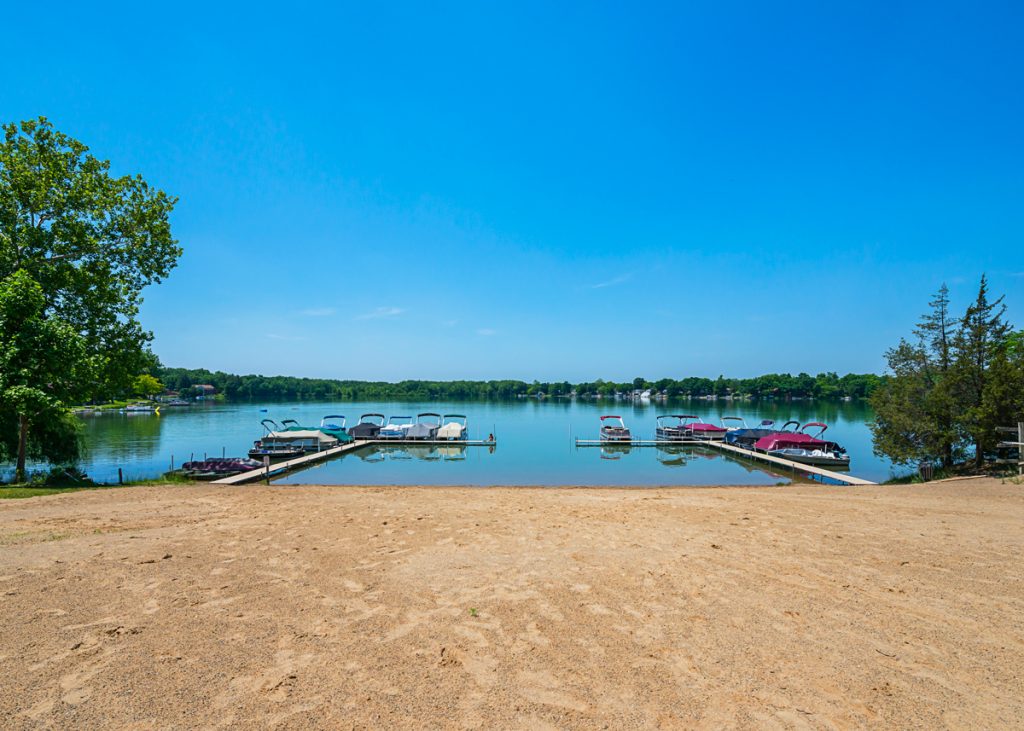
(343,607)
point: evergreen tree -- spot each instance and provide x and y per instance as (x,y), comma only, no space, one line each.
(981,368)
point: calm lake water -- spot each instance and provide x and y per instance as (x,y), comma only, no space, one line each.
(535,443)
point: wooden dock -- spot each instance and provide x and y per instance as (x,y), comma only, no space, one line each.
(797,466)
(738,451)
(279,468)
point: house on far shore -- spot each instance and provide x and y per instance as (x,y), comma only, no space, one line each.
(205,390)
(168,395)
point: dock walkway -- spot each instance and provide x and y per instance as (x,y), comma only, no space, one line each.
(305,460)
(745,453)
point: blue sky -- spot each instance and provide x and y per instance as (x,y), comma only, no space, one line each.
(549,191)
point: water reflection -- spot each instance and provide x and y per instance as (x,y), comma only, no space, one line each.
(615,451)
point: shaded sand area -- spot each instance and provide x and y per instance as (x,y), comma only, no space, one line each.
(308,607)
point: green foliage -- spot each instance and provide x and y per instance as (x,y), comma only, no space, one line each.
(286,388)
(91,240)
(146,385)
(42,365)
(952,387)
(77,245)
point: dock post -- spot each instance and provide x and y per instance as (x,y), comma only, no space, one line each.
(120,477)
(172,463)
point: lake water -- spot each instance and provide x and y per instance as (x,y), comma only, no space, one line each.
(534,443)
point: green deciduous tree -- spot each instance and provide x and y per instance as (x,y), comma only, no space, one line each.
(147,386)
(90,241)
(42,366)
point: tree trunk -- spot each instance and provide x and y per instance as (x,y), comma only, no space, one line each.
(947,455)
(19,473)
(979,455)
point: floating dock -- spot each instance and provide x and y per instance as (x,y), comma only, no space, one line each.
(279,468)
(738,451)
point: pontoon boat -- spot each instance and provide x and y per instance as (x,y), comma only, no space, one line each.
(426,426)
(453,428)
(333,425)
(698,429)
(369,426)
(613,429)
(804,448)
(735,423)
(396,428)
(670,428)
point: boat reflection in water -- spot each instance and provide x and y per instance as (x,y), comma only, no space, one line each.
(672,455)
(692,455)
(420,452)
(614,451)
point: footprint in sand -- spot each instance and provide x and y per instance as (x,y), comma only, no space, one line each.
(353,585)
(544,688)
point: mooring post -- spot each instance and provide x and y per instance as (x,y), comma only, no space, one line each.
(120,477)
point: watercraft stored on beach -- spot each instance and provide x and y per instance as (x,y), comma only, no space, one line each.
(426,426)
(670,427)
(396,427)
(368,427)
(215,468)
(613,429)
(453,428)
(799,446)
(696,428)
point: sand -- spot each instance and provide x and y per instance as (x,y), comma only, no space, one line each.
(338,607)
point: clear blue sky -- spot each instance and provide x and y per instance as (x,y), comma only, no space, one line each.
(439,190)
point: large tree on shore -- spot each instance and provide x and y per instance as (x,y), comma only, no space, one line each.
(90,241)
(951,386)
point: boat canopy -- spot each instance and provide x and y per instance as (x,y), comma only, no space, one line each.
(822,428)
(334,425)
(368,427)
(792,440)
(426,426)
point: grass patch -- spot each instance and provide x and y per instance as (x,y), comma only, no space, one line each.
(170,478)
(14,493)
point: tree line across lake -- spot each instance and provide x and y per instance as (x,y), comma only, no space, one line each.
(287,388)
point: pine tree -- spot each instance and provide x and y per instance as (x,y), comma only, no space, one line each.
(980,344)
(915,410)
